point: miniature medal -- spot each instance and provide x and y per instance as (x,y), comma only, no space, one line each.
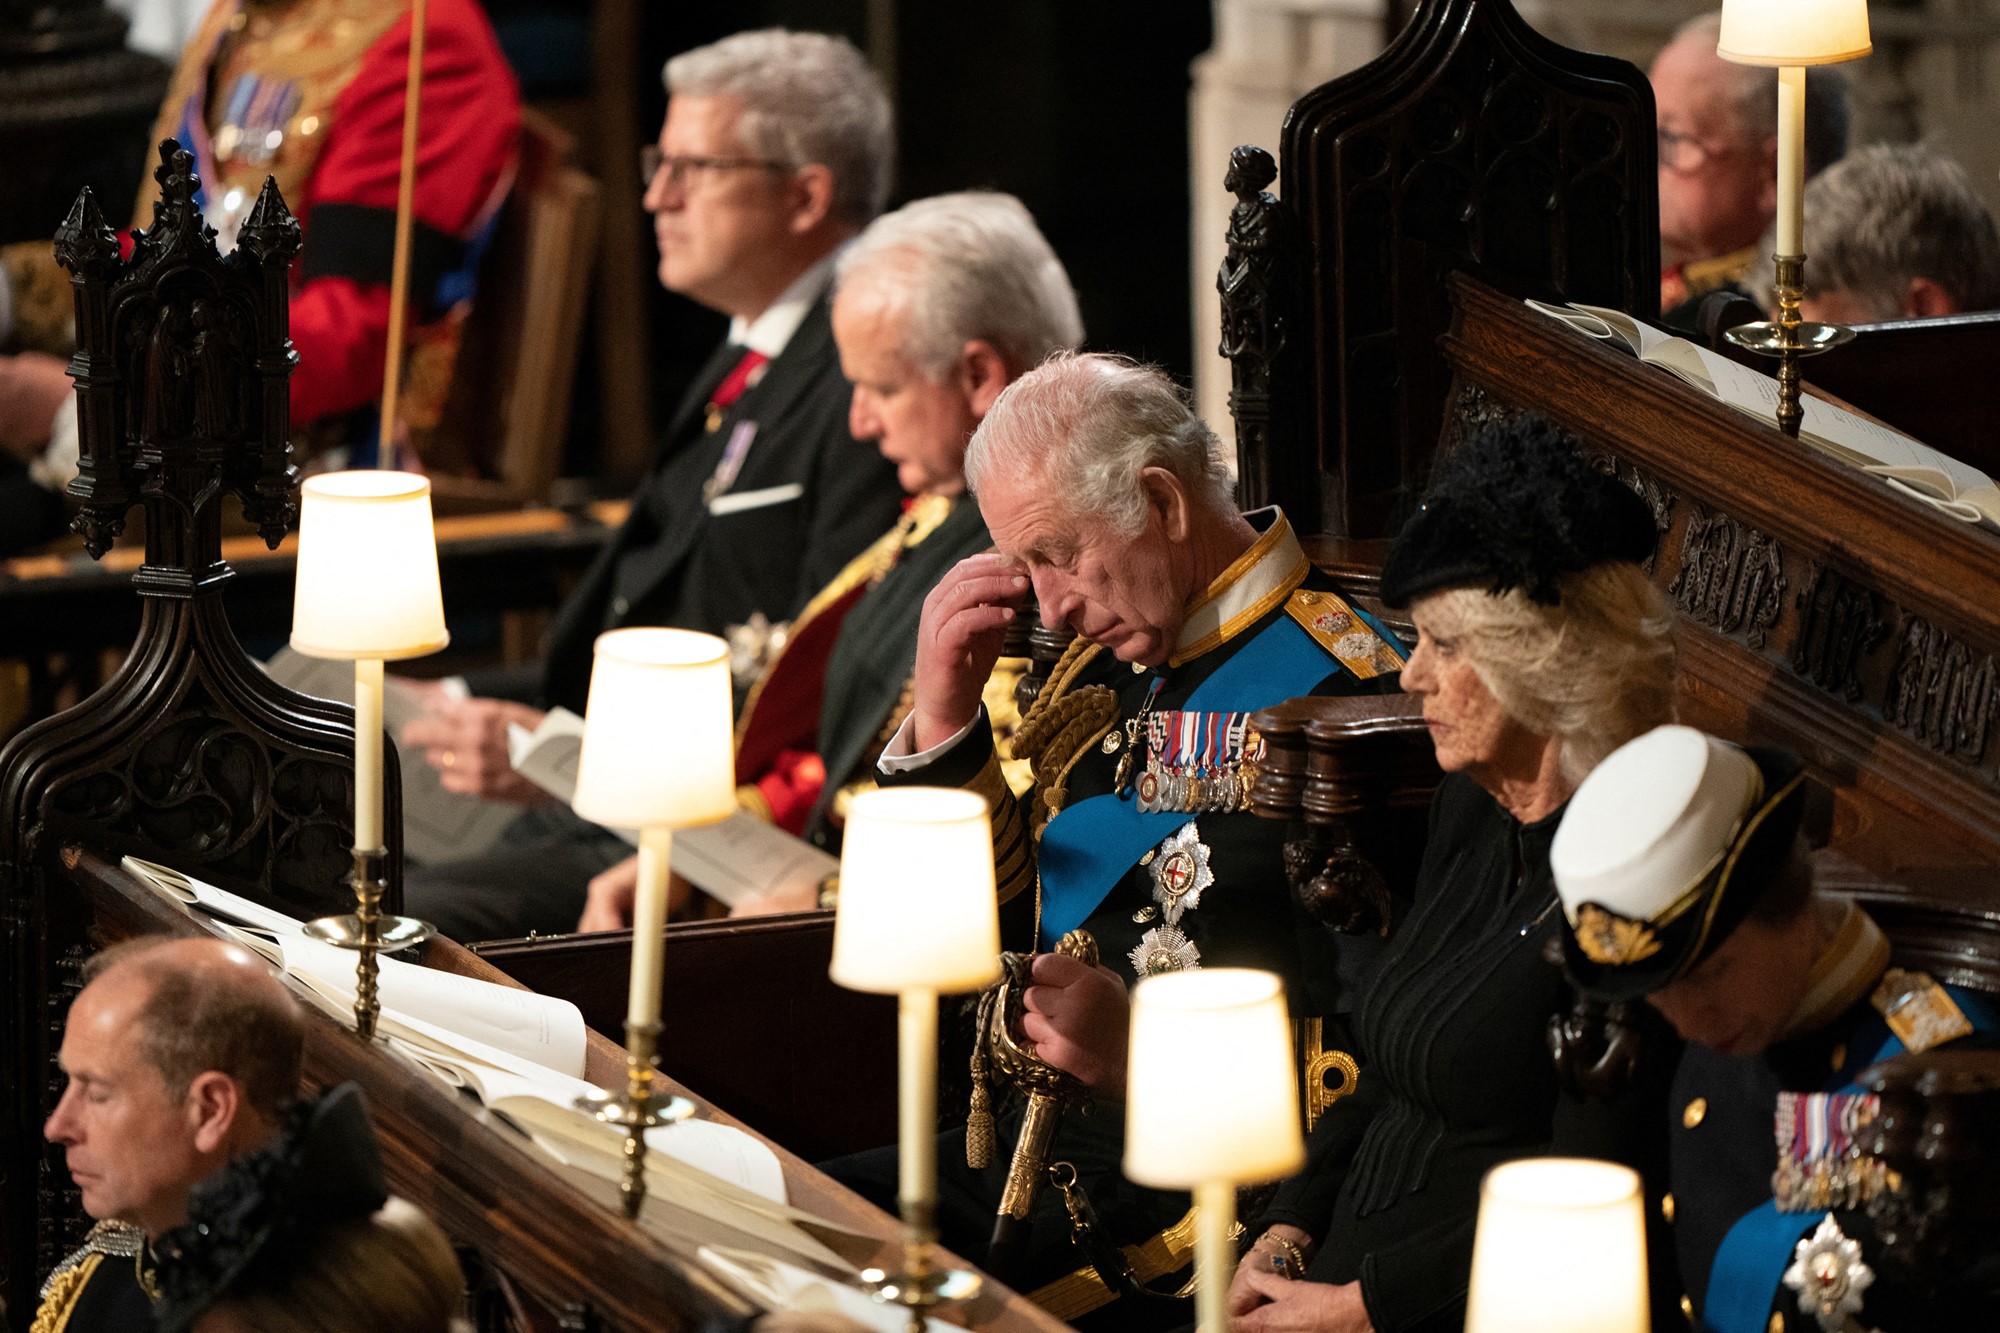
(1828,1274)
(1180,873)
(1164,949)
(1820,1163)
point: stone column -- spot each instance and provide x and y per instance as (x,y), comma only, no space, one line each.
(1267,54)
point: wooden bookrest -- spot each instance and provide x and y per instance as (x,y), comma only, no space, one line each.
(751,1016)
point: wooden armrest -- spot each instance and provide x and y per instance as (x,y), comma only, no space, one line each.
(1359,772)
(1327,758)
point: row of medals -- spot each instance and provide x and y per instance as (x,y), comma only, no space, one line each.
(1222,787)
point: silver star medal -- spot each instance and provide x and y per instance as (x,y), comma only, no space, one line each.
(1180,873)
(1164,949)
(1829,1276)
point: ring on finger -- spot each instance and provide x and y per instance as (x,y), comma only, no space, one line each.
(447,759)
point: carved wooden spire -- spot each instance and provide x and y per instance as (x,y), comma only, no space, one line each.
(183,357)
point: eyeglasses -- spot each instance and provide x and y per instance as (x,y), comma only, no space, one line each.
(1683,152)
(680,170)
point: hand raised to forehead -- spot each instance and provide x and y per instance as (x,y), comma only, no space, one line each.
(964,624)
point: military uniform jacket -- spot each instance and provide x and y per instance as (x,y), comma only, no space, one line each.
(1242,914)
(807,498)
(1725,1152)
(106,1286)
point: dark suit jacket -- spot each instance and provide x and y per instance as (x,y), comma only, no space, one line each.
(674,562)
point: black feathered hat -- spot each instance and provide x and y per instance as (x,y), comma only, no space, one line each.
(250,1222)
(1515,506)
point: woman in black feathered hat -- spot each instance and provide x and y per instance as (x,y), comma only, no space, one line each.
(1541,647)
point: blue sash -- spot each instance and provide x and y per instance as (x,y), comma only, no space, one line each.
(1090,846)
(1750,1263)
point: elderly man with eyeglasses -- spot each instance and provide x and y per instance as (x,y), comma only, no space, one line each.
(776,151)
(1718,126)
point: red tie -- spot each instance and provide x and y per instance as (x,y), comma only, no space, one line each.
(733,386)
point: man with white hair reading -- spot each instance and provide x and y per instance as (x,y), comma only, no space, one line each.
(776,151)
(1683,878)
(1108,495)
(938,306)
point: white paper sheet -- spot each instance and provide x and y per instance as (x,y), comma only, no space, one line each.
(732,860)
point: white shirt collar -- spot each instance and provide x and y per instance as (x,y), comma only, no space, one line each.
(770,331)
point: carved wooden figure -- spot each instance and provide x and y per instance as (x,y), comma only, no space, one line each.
(189,754)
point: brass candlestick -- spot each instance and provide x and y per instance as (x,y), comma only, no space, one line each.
(920,1287)
(369,933)
(1790,339)
(637,1109)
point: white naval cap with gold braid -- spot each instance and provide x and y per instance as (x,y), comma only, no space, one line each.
(1649,822)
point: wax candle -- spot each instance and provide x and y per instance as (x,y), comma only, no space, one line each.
(1214,1254)
(368,753)
(1791,159)
(917,1039)
(649,926)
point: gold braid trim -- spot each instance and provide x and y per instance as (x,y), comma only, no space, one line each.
(64,1290)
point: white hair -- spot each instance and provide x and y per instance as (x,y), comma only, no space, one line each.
(807,98)
(960,267)
(1085,424)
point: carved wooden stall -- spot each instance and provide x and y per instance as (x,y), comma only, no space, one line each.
(1472,144)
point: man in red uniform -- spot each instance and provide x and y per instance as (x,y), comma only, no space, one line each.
(310,92)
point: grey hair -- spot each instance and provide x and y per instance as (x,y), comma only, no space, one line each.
(1594,670)
(1085,424)
(1756,98)
(1891,213)
(965,266)
(807,98)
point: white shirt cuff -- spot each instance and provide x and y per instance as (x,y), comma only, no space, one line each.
(898,756)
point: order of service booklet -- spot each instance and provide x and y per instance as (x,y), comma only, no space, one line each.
(1940,481)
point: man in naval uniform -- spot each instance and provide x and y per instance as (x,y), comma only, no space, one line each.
(181,1055)
(937,307)
(1683,878)
(775,152)
(1104,492)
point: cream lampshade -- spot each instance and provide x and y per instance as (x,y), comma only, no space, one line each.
(657,744)
(1561,1248)
(917,907)
(367,583)
(1794,32)
(1210,1090)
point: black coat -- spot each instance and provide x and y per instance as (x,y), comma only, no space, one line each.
(676,563)
(872,659)
(1455,1074)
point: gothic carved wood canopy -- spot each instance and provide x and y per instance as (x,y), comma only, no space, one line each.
(1473,144)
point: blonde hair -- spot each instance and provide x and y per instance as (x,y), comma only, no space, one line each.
(1594,670)
(392,1270)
